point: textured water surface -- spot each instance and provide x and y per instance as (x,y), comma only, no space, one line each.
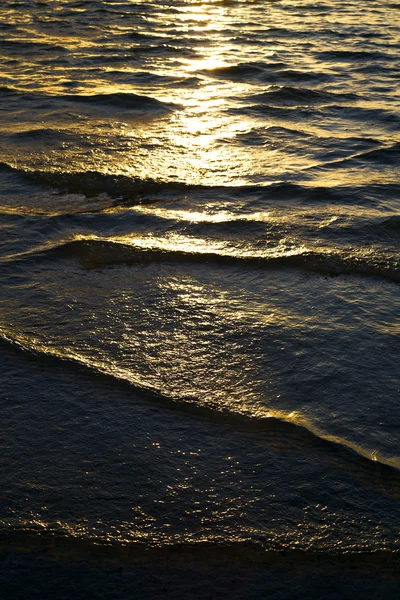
(199,214)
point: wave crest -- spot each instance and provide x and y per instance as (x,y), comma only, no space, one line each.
(99,253)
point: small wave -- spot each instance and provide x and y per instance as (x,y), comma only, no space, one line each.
(324,147)
(131,35)
(357,195)
(288,95)
(41,135)
(385,156)
(95,253)
(134,190)
(296,75)
(259,136)
(94,183)
(388,155)
(6,90)
(309,110)
(377,69)
(393,223)
(361,113)
(117,101)
(245,71)
(292,112)
(21,45)
(164,49)
(149,78)
(390,226)
(355,55)
(122,100)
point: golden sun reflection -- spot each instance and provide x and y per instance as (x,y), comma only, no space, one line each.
(207,63)
(191,136)
(199,131)
(202,217)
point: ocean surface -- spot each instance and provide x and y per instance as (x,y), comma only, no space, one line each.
(199,266)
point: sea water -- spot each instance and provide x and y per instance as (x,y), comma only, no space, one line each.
(199,214)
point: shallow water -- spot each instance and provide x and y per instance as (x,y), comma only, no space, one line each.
(199,207)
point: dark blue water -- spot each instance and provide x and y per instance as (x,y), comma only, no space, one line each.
(199,213)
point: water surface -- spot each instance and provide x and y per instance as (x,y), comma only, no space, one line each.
(199,207)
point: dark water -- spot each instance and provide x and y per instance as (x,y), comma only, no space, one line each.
(200,222)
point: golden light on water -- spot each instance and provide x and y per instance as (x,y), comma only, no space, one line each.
(202,217)
(196,142)
(206,138)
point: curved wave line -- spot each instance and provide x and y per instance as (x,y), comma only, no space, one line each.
(264,420)
(134,190)
(98,253)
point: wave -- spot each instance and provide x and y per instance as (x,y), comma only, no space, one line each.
(6,90)
(134,190)
(149,78)
(288,95)
(360,113)
(98,253)
(20,45)
(163,49)
(43,134)
(297,75)
(325,263)
(123,100)
(309,110)
(392,225)
(274,427)
(95,183)
(131,189)
(355,55)
(118,100)
(261,135)
(378,69)
(385,156)
(244,70)
(324,147)
(131,35)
